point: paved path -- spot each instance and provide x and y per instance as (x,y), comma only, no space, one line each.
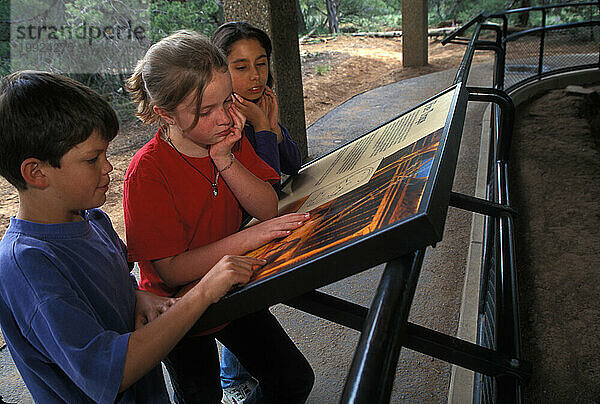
(330,347)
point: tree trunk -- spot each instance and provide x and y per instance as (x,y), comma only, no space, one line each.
(524,17)
(332,16)
(220,13)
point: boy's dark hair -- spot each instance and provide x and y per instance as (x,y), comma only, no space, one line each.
(231,32)
(44,115)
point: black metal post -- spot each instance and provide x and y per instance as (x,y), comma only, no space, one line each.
(507,315)
(507,116)
(417,338)
(372,372)
(478,205)
(542,40)
(462,74)
(499,49)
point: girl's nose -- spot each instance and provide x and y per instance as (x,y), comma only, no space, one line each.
(254,75)
(107,167)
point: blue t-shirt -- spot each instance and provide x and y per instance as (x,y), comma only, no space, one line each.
(67,304)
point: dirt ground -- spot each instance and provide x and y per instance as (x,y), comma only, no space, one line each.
(555,187)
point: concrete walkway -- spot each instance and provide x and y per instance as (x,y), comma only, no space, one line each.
(437,304)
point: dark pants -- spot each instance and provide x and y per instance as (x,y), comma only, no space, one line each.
(260,344)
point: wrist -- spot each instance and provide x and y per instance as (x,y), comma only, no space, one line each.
(247,239)
(262,125)
(225,163)
(277,130)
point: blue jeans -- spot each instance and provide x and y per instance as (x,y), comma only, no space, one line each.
(261,345)
(233,373)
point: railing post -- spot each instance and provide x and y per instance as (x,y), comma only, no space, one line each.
(507,314)
(507,116)
(542,41)
(372,372)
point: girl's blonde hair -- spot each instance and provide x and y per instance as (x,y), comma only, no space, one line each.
(171,69)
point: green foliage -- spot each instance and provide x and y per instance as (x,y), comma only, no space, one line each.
(353,15)
(385,15)
(4,37)
(198,15)
(387,22)
(365,9)
(112,89)
(462,10)
(167,16)
(322,69)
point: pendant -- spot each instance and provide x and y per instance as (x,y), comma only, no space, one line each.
(215,190)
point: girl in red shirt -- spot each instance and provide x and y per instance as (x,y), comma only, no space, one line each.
(184,192)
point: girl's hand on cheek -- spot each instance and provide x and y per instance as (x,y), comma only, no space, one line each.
(239,120)
(273,108)
(220,152)
(252,111)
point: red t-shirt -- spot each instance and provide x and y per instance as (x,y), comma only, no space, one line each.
(170,208)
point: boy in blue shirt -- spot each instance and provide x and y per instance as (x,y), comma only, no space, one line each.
(76,325)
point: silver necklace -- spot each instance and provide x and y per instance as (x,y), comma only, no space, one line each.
(215,190)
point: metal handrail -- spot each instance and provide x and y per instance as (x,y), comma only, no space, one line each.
(547,28)
(541,8)
(499,235)
(385,327)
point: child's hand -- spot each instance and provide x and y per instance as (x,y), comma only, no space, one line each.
(277,227)
(271,108)
(268,104)
(220,152)
(149,306)
(230,271)
(253,112)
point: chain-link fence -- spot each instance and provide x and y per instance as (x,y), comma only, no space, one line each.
(536,53)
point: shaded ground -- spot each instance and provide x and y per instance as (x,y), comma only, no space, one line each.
(555,171)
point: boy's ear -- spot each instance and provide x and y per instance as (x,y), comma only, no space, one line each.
(33,173)
(163,114)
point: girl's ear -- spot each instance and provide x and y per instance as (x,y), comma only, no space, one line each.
(163,114)
(33,173)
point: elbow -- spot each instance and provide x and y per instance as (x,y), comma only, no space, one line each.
(172,281)
(268,212)
(167,274)
(171,284)
(124,386)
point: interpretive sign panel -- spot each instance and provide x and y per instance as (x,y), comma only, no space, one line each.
(374,199)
